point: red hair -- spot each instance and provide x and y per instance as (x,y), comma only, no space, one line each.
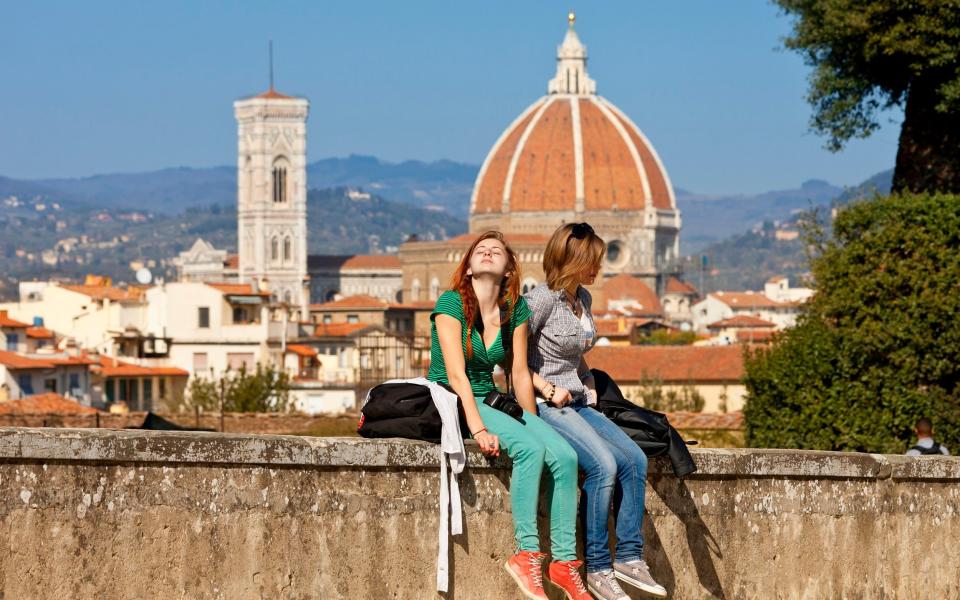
(509,287)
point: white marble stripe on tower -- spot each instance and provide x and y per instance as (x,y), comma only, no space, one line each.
(650,148)
(496,148)
(577,152)
(505,208)
(645,182)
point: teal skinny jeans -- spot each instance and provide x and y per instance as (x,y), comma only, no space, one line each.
(531,444)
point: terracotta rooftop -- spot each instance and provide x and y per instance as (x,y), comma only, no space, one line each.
(14,360)
(742,321)
(360,301)
(699,420)
(39,333)
(669,364)
(748,300)
(273,94)
(339,329)
(237,289)
(357,261)
(42,404)
(301,350)
(106,292)
(614,327)
(756,335)
(112,367)
(675,286)
(68,361)
(6,321)
(232,262)
(626,287)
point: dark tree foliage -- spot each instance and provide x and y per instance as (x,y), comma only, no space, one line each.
(878,345)
(869,55)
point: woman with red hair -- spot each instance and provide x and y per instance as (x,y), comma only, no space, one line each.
(466,343)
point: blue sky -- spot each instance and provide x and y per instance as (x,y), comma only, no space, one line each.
(102,87)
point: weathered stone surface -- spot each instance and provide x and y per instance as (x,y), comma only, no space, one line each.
(133,514)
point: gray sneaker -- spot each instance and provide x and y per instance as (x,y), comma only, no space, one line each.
(637,574)
(603,585)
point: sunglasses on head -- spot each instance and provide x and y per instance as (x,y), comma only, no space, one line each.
(581,230)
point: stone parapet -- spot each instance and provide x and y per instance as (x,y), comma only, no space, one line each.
(132,514)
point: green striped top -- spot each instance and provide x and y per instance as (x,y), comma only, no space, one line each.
(480,367)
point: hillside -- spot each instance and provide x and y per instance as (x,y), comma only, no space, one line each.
(50,240)
(707,218)
(747,260)
(444,184)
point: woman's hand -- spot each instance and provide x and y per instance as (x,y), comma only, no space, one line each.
(561,397)
(489,443)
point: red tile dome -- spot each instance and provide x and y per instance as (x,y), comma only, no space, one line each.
(572,150)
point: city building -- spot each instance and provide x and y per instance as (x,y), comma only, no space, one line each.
(714,372)
(778,304)
(570,156)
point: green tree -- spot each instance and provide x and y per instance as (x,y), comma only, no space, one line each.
(264,390)
(878,344)
(870,55)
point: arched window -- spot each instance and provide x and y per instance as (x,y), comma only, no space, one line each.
(415,291)
(528,284)
(287,297)
(434,288)
(287,248)
(280,180)
(274,249)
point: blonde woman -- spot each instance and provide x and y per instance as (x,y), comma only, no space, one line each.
(561,331)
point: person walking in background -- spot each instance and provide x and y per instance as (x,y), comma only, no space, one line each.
(925,444)
(562,330)
(466,342)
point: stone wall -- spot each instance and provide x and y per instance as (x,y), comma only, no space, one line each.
(93,513)
(267,423)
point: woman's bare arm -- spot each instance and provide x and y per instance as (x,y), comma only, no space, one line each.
(520,372)
(450,334)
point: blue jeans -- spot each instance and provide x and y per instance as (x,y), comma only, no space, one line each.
(608,457)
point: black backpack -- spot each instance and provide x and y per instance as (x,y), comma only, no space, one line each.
(934,449)
(650,430)
(403,410)
(406,410)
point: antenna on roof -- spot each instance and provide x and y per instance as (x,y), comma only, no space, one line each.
(271,65)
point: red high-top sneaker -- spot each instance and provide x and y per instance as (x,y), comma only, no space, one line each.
(526,568)
(566,576)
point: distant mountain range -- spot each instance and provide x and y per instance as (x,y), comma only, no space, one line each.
(746,260)
(442,184)
(187,202)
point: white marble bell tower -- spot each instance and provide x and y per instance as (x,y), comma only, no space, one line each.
(272,195)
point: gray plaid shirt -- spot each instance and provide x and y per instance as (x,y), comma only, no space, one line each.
(558,339)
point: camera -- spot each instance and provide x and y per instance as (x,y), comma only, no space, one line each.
(505,403)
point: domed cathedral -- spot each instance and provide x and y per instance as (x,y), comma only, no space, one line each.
(571,156)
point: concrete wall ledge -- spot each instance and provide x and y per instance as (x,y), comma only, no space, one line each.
(118,514)
(137,446)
